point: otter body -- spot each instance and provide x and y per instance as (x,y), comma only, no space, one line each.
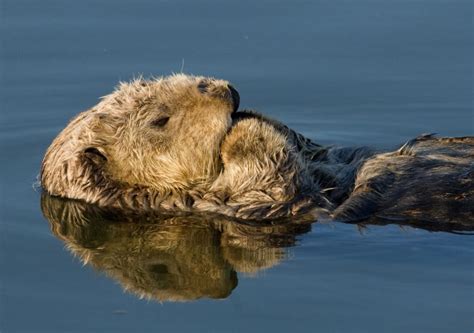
(178,143)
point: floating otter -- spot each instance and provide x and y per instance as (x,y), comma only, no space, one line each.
(180,144)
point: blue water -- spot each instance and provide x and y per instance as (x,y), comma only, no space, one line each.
(341,72)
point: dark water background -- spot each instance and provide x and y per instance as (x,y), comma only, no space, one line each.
(346,72)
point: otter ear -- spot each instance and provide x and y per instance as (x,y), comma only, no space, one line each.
(74,175)
(95,154)
(82,175)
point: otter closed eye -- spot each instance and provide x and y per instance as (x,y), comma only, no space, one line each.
(160,122)
(243,164)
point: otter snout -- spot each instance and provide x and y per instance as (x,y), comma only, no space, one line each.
(225,91)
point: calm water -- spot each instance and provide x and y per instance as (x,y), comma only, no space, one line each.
(344,72)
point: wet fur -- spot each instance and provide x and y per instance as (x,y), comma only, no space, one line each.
(245,165)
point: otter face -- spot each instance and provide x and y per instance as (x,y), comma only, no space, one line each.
(166,133)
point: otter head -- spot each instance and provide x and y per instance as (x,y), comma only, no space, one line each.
(164,134)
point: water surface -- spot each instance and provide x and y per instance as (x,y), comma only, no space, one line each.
(341,72)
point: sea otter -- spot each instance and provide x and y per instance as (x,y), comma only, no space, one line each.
(179,143)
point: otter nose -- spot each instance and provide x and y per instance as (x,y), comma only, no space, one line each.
(235,97)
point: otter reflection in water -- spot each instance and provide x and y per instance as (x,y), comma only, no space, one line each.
(178,258)
(174,258)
